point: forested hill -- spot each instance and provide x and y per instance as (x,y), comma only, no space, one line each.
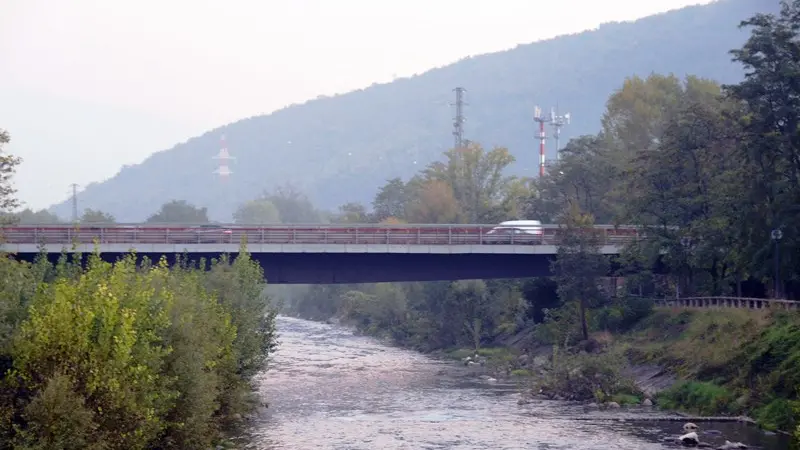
(342,148)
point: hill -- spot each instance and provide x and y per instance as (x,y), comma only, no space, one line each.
(341,148)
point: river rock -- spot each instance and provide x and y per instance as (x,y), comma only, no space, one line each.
(647,402)
(612,405)
(728,445)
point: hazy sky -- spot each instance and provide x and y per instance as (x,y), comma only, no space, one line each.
(89,85)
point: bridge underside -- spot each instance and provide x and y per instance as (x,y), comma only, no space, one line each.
(337,268)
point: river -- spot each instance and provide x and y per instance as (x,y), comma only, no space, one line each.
(330,389)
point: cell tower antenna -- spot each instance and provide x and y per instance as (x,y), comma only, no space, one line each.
(557,121)
(459,119)
(539,118)
(74,187)
(224,158)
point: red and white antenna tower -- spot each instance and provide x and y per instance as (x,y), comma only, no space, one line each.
(224,157)
(541,120)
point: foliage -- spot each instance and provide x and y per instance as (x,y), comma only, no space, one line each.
(93,216)
(179,211)
(588,377)
(128,356)
(258,211)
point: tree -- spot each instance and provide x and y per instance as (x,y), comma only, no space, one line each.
(579,264)
(96,216)
(258,211)
(391,200)
(352,213)
(8,167)
(28,216)
(179,211)
(433,202)
(476,179)
(293,206)
(770,94)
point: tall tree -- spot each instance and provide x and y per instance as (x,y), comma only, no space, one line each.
(433,202)
(476,178)
(179,211)
(391,200)
(8,166)
(770,93)
(579,264)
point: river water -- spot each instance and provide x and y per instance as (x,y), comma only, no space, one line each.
(330,389)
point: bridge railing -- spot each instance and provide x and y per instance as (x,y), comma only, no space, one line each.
(727,302)
(405,234)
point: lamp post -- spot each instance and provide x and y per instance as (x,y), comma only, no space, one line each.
(776,236)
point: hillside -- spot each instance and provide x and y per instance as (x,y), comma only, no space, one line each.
(342,148)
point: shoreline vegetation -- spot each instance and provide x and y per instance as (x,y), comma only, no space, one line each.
(130,355)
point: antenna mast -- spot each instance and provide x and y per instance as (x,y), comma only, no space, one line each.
(541,120)
(224,157)
(74,202)
(458,121)
(557,122)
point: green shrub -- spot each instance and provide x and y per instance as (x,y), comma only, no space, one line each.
(699,397)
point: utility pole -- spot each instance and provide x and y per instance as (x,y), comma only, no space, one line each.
(74,202)
(458,121)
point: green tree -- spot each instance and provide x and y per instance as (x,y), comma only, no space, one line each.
(179,211)
(352,213)
(391,200)
(476,179)
(258,211)
(29,217)
(96,216)
(579,264)
(294,206)
(771,139)
(8,166)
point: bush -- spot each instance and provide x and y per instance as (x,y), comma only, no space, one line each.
(701,398)
(127,356)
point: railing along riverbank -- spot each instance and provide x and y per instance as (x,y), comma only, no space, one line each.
(727,302)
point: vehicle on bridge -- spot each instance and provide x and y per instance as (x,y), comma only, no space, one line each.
(516,232)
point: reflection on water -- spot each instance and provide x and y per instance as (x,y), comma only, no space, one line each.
(329,389)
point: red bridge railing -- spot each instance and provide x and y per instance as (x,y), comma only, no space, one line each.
(406,234)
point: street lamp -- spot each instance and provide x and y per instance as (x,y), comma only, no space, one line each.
(776,236)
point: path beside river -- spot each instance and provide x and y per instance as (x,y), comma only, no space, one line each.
(330,389)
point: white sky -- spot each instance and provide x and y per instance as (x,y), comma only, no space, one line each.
(143,75)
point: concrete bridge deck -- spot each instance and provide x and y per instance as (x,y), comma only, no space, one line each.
(326,253)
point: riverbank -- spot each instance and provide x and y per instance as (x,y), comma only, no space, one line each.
(332,388)
(704,362)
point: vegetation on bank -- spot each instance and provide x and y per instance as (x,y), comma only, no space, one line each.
(127,355)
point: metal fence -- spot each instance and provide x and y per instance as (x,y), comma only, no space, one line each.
(406,234)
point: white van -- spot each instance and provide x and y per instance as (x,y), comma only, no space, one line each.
(516,231)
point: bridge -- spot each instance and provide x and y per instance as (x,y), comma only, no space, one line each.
(323,254)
